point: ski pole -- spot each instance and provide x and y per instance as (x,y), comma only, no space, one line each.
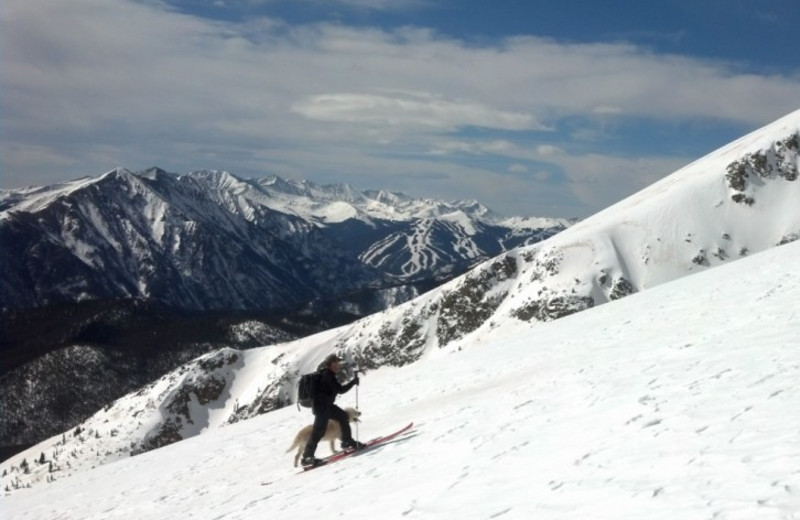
(357,403)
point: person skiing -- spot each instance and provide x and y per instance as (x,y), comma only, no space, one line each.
(324,409)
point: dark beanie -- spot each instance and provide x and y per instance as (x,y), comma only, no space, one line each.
(330,360)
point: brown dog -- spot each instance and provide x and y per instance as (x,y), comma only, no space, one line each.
(332,432)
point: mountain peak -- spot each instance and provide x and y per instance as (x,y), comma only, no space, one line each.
(219,177)
(119,170)
(153,173)
(281,184)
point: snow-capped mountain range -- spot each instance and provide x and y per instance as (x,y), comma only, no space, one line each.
(738,201)
(203,241)
(209,240)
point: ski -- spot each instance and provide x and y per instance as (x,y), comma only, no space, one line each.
(369,444)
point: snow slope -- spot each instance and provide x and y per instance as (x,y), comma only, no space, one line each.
(678,402)
(680,226)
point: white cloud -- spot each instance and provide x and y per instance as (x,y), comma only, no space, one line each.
(364,5)
(92,84)
(548,150)
(413,110)
(476,147)
(606,110)
(381,5)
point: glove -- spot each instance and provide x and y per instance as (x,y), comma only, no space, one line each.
(356,380)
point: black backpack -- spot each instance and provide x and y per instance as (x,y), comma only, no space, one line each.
(307,389)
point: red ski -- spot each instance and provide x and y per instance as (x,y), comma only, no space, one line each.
(370,444)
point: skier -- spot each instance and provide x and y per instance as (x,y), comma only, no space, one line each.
(328,388)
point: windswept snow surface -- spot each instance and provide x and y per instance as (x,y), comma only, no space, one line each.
(680,402)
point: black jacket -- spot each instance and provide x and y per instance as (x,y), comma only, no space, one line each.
(328,388)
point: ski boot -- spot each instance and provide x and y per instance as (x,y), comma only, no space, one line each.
(309,461)
(352,445)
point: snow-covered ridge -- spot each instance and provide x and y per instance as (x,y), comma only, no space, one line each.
(429,235)
(334,203)
(313,201)
(692,220)
(211,240)
(678,402)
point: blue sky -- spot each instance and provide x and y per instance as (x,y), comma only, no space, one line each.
(531,107)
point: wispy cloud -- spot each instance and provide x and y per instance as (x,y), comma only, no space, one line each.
(380,5)
(365,5)
(411,109)
(474,147)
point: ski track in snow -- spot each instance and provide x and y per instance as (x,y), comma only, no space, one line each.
(422,251)
(680,402)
